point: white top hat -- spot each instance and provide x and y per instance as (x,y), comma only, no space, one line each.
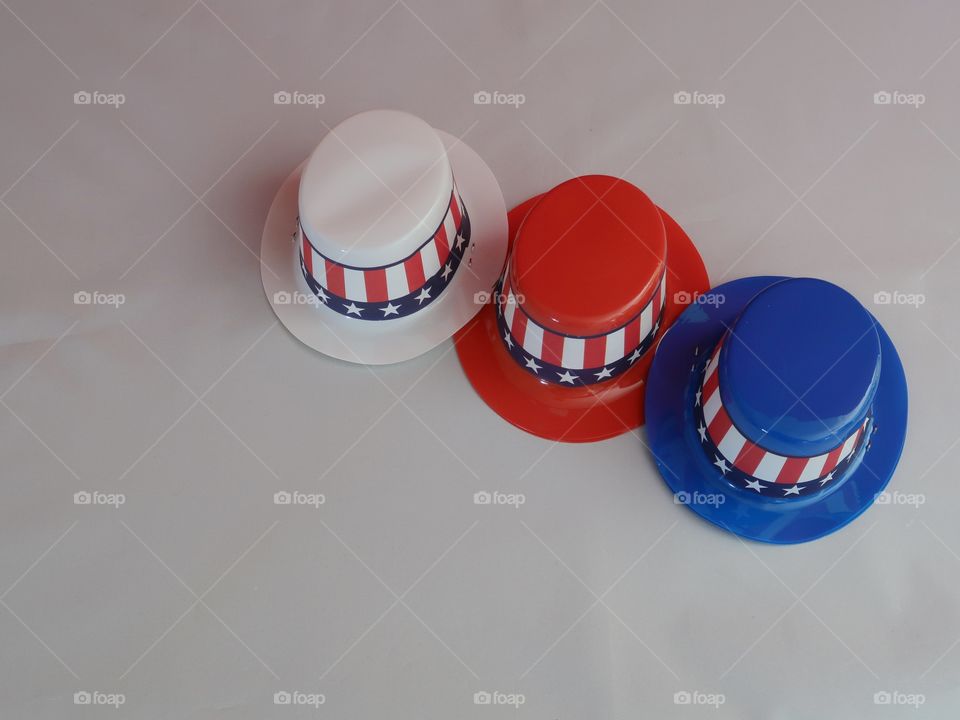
(401,234)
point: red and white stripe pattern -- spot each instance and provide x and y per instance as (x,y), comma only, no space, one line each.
(394,281)
(736,451)
(561,356)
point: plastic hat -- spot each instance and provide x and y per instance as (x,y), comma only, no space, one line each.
(595,273)
(375,248)
(777,408)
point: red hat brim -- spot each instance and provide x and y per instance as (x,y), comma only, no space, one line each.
(577,414)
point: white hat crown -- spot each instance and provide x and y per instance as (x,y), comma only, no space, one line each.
(375,188)
(382,229)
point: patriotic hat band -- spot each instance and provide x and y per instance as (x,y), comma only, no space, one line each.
(570,359)
(395,290)
(748,466)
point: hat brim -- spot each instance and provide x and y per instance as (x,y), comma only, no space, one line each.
(396,340)
(578,414)
(673,439)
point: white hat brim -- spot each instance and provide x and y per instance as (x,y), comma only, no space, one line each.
(389,341)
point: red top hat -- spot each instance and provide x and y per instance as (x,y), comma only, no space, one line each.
(596,272)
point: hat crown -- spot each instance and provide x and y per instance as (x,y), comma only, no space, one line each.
(375,188)
(589,256)
(800,366)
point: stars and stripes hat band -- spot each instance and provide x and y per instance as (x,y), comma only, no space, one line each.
(574,359)
(396,290)
(748,465)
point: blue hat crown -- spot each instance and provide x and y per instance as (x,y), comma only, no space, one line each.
(785,399)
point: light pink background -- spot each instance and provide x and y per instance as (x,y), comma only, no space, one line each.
(599,597)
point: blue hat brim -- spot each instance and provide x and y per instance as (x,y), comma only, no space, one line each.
(685,467)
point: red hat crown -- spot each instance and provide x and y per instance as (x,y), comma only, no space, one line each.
(583,292)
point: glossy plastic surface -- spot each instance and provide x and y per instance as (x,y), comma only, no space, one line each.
(800,367)
(588,255)
(349,188)
(338,336)
(673,439)
(579,414)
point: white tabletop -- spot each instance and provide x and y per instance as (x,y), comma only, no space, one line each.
(175,387)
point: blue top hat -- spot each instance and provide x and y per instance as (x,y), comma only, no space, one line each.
(776,408)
